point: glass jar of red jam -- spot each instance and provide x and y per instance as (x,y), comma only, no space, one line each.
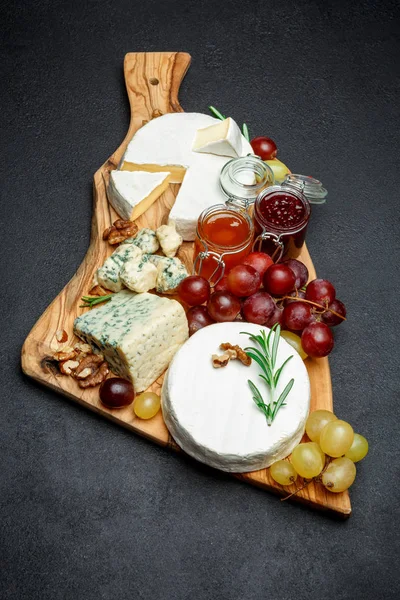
(281,216)
(224,236)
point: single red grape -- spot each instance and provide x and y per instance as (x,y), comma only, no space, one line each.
(198,318)
(276,317)
(194,290)
(294,297)
(223,306)
(116,392)
(329,318)
(317,340)
(297,315)
(320,291)
(279,279)
(300,271)
(264,147)
(258,308)
(260,261)
(243,280)
(222,285)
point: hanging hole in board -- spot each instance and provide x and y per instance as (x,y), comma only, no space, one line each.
(154,81)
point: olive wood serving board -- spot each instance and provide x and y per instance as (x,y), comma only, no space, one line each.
(152,82)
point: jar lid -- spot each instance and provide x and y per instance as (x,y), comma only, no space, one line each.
(309,186)
(243,178)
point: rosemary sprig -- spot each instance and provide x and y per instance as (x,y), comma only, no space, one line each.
(220,116)
(266,359)
(91,301)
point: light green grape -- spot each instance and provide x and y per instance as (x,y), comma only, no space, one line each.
(295,341)
(283,472)
(318,448)
(339,475)
(336,438)
(307,460)
(358,449)
(147,405)
(316,422)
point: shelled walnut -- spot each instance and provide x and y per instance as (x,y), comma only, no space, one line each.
(230,353)
(119,231)
(80,362)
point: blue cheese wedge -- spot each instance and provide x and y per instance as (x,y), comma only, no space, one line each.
(145,239)
(139,275)
(138,334)
(169,239)
(171,271)
(108,276)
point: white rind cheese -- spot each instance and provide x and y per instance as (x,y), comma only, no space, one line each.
(169,239)
(224,138)
(137,333)
(211,414)
(166,143)
(132,193)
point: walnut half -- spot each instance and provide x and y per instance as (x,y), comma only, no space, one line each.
(230,353)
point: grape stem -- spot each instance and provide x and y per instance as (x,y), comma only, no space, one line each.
(323,308)
(318,479)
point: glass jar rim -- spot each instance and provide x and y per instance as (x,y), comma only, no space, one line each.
(272,226)
(227,209)
(250,190)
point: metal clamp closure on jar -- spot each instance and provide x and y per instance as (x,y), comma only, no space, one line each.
(242,179)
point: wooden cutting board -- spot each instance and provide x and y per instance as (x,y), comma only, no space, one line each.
(152,82)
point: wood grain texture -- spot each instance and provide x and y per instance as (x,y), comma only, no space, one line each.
(152,82)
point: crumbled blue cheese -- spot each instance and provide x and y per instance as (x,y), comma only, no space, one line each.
(171,271)
(169,239)
(146,240)
(138,334)
(139,275)
(108,275)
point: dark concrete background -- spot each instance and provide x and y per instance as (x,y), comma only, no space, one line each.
(89,511)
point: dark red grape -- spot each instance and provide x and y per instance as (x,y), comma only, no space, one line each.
(279,279)
(243,280)
(329,318)
(297,315)
(300,271)
(198,318)
(294,296)
(194,290)
(264,147)
(276,317)
(258,308)
(222,285)
(260,261)
(320,291)
(317,340)
(116,392)
(223,306)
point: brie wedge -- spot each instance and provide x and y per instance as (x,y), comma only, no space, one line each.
(131,194)
(211,413)
(224,138)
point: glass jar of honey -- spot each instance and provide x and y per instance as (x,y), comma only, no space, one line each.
(224,236)
(281,215)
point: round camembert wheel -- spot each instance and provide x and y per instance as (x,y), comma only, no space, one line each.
(210,412)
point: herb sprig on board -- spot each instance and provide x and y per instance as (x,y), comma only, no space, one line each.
(90,301)
(216,113)
(266,357)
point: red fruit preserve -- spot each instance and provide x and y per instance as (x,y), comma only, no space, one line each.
(281,217)
(223,234)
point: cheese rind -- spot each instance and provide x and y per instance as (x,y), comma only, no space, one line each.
(138,334)
(108,275)
(131,194)
(223,138)
(211,414)
(169,239)
(166,143)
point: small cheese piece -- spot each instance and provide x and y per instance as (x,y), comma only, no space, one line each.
(146,240)
(139,275)
(169,239)
(170,272)
(132,193)
(138,334)
(108,276)
(224,139)
(211,413)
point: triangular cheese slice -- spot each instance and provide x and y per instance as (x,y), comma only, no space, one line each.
(224,139)
(132,193)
